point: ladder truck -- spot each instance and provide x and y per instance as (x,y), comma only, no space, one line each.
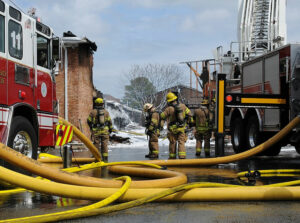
(28,103)
(257,82)
(259,88)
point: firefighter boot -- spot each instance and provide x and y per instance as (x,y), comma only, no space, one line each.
(198,151)
(148,155)
(172,156)
(153,156)
(207,152)
(105,159)
(182,155)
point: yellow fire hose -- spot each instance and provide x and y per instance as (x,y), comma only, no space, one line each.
(224,193)
(86,211)
(204,194)
(24,162)
(45,159)
(264,173)
(40,169)
(269,192)
(232,158)
(78,169)
(138,202)
(68,214)
(101,164)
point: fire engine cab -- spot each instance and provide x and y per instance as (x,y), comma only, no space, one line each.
(28,104)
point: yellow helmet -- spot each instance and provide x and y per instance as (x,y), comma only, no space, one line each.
(147,106)
(214,99)
(204,102)
(99,101)
(171,97)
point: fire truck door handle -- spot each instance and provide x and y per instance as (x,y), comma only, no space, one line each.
(287,70)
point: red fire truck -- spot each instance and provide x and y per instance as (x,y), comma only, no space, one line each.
(262,99)
(28,104)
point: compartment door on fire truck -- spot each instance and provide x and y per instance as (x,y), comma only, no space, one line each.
(20,58)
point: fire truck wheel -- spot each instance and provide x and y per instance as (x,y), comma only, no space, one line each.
(253,135)
(237,135)
(22,139)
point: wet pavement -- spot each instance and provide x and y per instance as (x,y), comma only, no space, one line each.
(30,203)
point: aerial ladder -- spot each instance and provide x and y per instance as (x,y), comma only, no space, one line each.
(261,27)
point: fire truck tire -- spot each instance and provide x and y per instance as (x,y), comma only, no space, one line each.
(238,135)
(253,135)
(23,138)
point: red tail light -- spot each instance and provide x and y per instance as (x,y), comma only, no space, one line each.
(229,98)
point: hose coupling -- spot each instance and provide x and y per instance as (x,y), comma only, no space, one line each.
(252,176)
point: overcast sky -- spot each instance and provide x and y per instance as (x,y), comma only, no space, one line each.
(131,32)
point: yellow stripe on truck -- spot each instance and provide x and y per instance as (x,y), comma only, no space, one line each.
(263,101)
(221,107)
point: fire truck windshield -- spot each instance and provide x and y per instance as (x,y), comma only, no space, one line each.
(43,52)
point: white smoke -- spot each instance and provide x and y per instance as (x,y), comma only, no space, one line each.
(123,116)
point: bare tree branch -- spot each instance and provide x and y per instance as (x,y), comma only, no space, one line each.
(161,76)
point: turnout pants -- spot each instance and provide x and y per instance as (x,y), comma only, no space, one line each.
(101,142)
(173,139)
(199,138)
(153,144)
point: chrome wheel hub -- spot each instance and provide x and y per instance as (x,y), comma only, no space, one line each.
(236,136)
(252,136)
(22,143)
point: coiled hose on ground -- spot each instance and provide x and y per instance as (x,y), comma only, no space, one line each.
(270,192)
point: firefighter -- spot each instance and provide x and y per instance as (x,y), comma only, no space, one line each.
(152,130)
(177,116)
(201,119)
(100,124)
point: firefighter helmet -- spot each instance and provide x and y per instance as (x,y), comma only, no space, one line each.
(204,102)
(99,101)
(171,97)
(147,107)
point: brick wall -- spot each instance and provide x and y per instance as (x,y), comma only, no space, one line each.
(80,87)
